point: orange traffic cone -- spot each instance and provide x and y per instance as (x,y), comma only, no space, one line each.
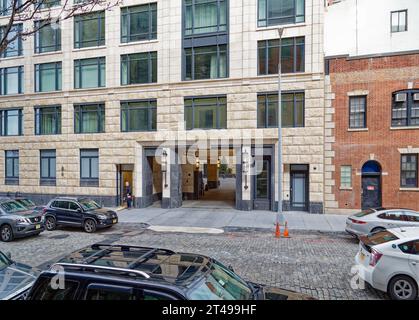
(286,232)
(277,231)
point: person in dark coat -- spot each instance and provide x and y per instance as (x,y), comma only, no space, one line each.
(128,195)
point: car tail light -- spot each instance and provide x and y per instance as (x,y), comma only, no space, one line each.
(357,221)
(375,257)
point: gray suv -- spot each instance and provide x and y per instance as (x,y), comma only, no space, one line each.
(16,221)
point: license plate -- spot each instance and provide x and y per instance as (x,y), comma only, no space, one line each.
(38,226)
(362,257)
(114,221)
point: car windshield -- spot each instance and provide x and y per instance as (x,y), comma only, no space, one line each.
(12,206)
(364,213)
(378,238)
(89,204)
(220,284)
(4,262)
(26,202)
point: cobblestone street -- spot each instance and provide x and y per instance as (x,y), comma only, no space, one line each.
(310,262)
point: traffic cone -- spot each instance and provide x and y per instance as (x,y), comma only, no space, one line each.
(277,231)
(286,232)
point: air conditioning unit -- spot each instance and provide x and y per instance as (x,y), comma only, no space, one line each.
(416,97)
(401,97)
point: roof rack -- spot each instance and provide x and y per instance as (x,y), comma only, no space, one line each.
(94,267)
(127,247)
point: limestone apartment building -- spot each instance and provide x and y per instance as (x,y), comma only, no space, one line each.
(124,95)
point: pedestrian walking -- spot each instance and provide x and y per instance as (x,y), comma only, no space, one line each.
(128,195)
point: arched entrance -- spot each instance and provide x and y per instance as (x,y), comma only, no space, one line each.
(371,185)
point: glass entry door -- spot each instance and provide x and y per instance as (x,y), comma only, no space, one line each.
(299,187)
(262,184)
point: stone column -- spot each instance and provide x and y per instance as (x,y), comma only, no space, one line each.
(172,187)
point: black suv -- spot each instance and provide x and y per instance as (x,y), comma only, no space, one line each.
(118,272)
(78,212)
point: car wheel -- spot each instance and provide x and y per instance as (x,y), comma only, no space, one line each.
(377,229)
(90,226)
(50,223)
(402,288)
(6,233)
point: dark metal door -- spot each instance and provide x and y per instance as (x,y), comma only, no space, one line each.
(262,185)
(299,191)
(371,192)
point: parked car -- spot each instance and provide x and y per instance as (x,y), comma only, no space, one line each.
(372,220)
(16,279)
(78,212)
(28,203)
(17,221)
(389,261)
(114,272)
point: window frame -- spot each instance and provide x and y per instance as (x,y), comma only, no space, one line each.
(4,80)
(14,179)
(150,108)
(266,94)
(78,29)
(38,123)
(78,64)
(89,181)
(4,53)
(57,74)
(267,24)
(409,106)
(47,4)
(364,98)
(100,110)
(47,180)
(128,58)
(4,6)
(4,122)
(344,186)
(409,171)
(38,47)
(218,105)
(151,35)
(398,20)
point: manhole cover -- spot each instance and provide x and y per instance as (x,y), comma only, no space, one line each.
(60,236)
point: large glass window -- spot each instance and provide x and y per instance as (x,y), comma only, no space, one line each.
(139,23)
(345,176)
(357,112)
(11,80)
(292,110)
(7,5)
(139,68)
(409,171)
(292,56)
(48,166)
(90,73)
(14,48)
(47,37)
(89,118)
(48,120)
(48,77)
(405,110)
(206,113)
(89,167)
(47,3)
(139,115)
(11,122)
(12,167)
(89,30)
(205,16)
(276,12)
(206,62)
(399,21)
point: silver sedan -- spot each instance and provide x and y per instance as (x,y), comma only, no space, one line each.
(372,220)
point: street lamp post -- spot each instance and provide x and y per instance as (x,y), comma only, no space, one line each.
(279,214)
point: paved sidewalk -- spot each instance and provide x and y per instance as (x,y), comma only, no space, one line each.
(230,219)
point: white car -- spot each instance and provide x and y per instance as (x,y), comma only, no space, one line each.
(389,261)
(372,220)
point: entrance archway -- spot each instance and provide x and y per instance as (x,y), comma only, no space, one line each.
(371,194)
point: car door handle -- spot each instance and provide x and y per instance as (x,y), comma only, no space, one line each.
(414,263)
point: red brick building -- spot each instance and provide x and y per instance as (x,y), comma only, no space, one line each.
(373,130)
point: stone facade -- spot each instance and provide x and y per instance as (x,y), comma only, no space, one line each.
(301,145)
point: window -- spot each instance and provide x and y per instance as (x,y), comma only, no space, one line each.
(292,110)
(409,171)
(411,247)
(6,6)
(11,80)
(11,122)
(139,23)
(89,73)
(89,30)
(206,62)
(48,167)
(206,113)
(47,3)
(405,108)
(399,21)
(12,167)
(89,167)
(276,12)
(45,290)
(48,120)
(357,112)
(89,118)
(47,37)
(14,48)
(139,68)
(139,115)
(292,56)
(48,77)
(108,292)
(345,176)
(205,16)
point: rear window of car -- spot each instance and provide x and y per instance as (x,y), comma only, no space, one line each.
(364,213)
(379,238)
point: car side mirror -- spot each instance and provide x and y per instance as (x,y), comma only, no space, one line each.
(230,267)
(79,210)
(9,255)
